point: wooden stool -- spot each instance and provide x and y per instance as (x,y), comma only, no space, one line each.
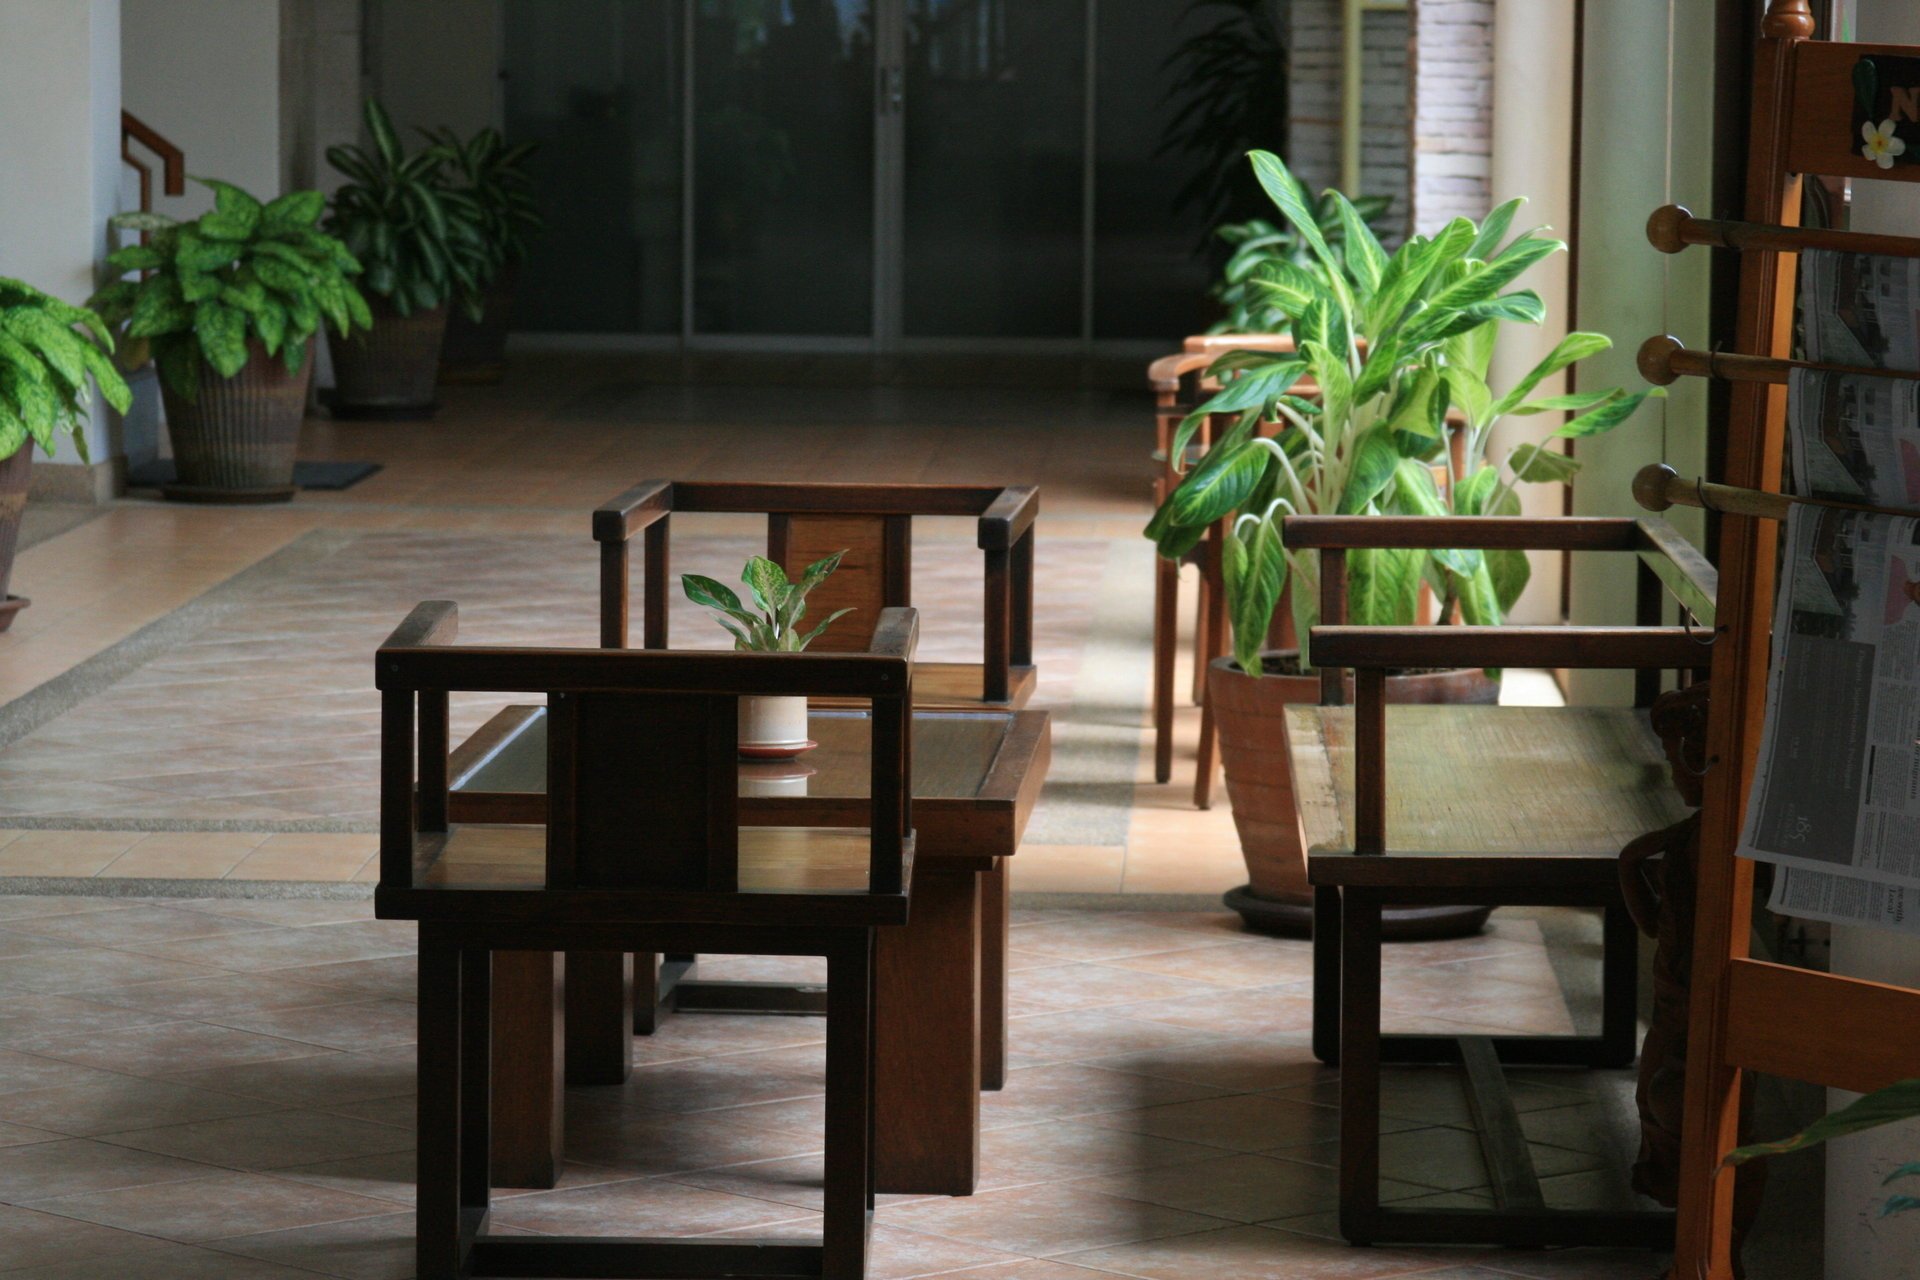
(662,866)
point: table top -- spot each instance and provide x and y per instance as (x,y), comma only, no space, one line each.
(976,776)
(1489,782)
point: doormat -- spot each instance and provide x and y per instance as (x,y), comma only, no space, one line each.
(306,475)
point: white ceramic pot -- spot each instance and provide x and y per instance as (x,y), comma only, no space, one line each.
(773,727)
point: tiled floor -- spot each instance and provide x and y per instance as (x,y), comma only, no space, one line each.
(205,1090)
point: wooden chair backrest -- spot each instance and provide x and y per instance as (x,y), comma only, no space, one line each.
(642,748)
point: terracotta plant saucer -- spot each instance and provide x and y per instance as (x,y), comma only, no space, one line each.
(782,751)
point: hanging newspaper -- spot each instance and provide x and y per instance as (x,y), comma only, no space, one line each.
(1836,797)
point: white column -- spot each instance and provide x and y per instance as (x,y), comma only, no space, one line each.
(60,154)
(1533,78)
(1648,91)
(1860,1246)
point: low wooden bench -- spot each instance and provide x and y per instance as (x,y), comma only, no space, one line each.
(1497,806)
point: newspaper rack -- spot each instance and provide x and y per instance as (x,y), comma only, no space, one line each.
(1747,1014)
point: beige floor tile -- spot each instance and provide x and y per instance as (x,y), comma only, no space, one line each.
(1068,868)
(185,855)
(64,853)
(307,857)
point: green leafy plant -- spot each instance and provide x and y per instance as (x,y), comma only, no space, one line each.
(1897,1102)
(48,351)
(1256,243)
(781,604)
(1391,344)
(245,271)
(494,176)
(422,240)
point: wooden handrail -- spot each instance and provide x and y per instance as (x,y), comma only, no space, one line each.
(1672,228)
(173,161)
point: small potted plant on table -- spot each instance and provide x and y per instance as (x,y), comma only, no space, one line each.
(422,247)
(494,176)
(228,306)
(49,350)
(773,727)
(1393,343)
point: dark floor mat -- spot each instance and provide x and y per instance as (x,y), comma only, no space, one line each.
(306,475)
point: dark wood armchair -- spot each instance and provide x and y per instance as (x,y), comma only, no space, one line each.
(647,845)
(1422,805)
(874,525)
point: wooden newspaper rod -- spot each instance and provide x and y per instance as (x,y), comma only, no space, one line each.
(1665,360)
(1658,486)
(1672,229)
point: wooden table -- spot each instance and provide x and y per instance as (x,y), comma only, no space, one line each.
(940,1028)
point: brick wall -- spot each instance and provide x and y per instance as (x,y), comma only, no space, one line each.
(1427,108)
(1452,110)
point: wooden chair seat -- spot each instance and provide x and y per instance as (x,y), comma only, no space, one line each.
(1493,782)
(773,860)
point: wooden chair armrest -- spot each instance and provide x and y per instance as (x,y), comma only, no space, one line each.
(431,622)
(632,511)
(1591,648)
(896,635)
(1477,533)
(1007,519)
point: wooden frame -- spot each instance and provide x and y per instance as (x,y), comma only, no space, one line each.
(1005,537)
(684,893)
(1747,1015)
(1352,888)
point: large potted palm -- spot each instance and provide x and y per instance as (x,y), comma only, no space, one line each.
(228,306)
(420,242)
(52,355)
(492,174)
(1393,346)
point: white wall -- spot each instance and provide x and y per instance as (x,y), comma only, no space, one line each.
(206,74)
(60,151)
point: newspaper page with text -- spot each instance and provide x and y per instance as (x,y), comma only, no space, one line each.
(1836,797)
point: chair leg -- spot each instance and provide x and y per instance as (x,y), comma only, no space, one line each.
(1359,1064)
(848,1216)
(476,1082)
(646,993)
(1204,767)
(1326,975)
(1166,639)
(1619,989)
(437,1245)
(1202,618)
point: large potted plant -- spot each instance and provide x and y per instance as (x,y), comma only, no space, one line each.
(228,306)
(49,353)
(494,176)
(422,247)
(1391,344)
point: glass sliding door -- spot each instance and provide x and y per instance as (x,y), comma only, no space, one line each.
(995,137)
(783,163)
(596,84)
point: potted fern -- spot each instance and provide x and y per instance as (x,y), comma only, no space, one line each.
(1392,345)
(228,306)
(421,244)
(771,727)
(52,355)
(494,176)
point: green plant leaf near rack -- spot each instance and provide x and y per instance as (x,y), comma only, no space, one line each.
(248,270)
(1397,349)
(421,239)
(773,624)
(1897,1102)
(50,351)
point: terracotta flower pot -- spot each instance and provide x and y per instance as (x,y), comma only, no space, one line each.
(13,502)
(1254,748)
(390,370)
(236,439)
(475,353)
